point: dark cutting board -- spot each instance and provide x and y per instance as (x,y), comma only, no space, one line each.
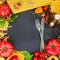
(25,36)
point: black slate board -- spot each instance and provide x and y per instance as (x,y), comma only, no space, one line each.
(25,36)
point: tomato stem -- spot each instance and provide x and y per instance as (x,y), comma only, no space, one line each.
(5,48)
(53,46)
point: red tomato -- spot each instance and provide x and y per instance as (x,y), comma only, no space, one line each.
(59,41)
(4,10)
(42,54)
(14,58)
(40,58)
(6,48)
(35,58)
(45,8)
(52,47)
(36,53)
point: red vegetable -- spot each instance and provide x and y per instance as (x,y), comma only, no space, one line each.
(40,58)
(45,8)
(42,55)
(52,47)
(35,58)
(14,58)
(6,48)
(36,53)
(4,10)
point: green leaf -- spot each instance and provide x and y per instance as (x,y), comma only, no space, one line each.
(27,55)
(2,23)
(31,55)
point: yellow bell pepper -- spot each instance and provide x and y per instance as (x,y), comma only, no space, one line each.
(52,57)
(17,53)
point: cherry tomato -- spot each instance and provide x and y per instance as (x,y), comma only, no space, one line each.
(40,58)
(6,49)
(36,53)
(45,8)
(52,47)
(35,58)
(14,58)
(4,10)
(42,54)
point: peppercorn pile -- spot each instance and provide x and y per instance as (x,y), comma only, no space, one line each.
(51,15)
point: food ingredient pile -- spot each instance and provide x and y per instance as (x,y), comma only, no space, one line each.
(9,12)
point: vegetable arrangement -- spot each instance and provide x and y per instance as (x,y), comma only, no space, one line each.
(52,51)
(51,48)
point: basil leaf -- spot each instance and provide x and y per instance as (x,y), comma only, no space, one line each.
(27,55)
